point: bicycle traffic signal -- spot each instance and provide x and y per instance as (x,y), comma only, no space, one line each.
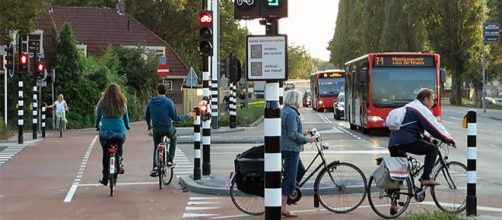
(235,69)
(205,113)
(9,57)
(40,70)
(206,33)
(23,63)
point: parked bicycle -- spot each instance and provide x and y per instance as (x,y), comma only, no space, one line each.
(165,172)
(449,196)
(339,186)
(114,165)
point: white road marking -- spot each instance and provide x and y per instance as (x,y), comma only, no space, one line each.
(75,184)
(204,198)
(9,152)
(120,184)
(334,130)
(194,215)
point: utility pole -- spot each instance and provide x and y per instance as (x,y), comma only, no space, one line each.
(483,93)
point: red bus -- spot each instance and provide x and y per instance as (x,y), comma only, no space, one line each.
(376,83)
(325,86)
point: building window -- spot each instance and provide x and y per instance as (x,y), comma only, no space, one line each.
(169,85)
(82,48)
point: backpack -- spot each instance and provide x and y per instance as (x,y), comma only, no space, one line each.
(395,118)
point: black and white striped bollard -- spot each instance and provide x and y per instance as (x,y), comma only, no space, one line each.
(34,106)
(233,105)
(43,122)
(471,201)
(196,145)
(20,111)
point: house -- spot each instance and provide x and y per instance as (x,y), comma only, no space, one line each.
(96,28)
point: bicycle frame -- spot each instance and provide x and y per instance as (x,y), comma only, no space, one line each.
(323,164)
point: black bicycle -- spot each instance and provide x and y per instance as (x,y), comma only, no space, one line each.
(339,186)
(449,196)
(165,172)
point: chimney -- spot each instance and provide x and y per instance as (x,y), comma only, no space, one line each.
(120,7)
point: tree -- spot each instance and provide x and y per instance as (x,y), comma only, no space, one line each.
(374,20)
(454,30)
(19,15)
(300,63)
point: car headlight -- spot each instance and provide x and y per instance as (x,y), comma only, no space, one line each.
(341,108)
(374,118)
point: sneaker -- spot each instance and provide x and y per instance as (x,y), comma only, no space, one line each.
(429,182)
(104,181)
(121,168)
(154,172)
(171,164)
(393,208)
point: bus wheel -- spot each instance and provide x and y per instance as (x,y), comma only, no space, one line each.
(352,127)
(365,130)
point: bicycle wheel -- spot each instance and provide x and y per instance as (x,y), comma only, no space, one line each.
(249,204)
(111,182)
(340,187)
(451,195)
(381,199)
(61,121)
(167,175)
(162,168)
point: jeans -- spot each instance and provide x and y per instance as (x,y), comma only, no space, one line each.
(106,138)
(420,147)
(60,115)
(157,138)
(293,171)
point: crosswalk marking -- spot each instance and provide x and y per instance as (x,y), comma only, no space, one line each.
(183,165)
(201,206)
(7,152)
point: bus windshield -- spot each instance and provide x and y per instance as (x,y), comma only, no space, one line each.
(331,86)
(395,87)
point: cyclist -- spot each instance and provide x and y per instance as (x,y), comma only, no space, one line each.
(411,138)
(292,141)
(61,108)
(112,113)
(160,112)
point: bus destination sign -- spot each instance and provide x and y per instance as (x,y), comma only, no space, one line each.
(403,61)
(331,75)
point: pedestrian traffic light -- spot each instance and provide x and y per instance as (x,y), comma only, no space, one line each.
(206,33)
(40,70)
(205,113)
(274,9)
(235,69)
(23,63)
(9,57)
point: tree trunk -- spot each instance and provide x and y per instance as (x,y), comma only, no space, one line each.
(456,87)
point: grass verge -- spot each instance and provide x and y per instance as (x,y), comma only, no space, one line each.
(436,215)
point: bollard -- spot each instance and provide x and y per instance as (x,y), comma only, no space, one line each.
(20,111)
(34,106)
(471,201)
(206,123)
(233,105)
(43,122)
(196,145)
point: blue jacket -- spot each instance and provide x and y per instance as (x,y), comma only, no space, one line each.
(292,138)
(161,111)
(421,119)
(111,123)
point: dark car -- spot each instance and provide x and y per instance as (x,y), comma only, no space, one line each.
(339,106)
(307,98)
(289,86)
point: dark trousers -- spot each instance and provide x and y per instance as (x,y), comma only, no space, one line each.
(157,138)
(106,139)
(293,171)
(420,147)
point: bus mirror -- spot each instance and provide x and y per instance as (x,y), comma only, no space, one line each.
(443,75)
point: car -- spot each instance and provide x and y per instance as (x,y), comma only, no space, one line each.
(289,86)
(307,98)
(339,106)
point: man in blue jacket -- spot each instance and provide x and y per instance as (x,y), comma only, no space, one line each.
(160,113)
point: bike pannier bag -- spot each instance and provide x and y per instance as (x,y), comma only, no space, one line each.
(398,167)
(382,178)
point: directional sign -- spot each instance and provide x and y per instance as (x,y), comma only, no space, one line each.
(491,32)
(267,57)
(163,70)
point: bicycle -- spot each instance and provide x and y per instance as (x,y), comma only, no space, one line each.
(114,165)
(339,186)
(165,172)
(61,123)
(449,196)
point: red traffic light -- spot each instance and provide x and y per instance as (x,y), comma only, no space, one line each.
(205,17)
(40,67)
(23,59)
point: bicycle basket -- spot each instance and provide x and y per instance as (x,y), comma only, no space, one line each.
(249,169)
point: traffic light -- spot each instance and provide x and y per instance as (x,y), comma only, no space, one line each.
(206,33)
(246,9)
(235,69)
(9,57)
(23,63)
(223,67)
(205,113)
(40,70)
(274,9)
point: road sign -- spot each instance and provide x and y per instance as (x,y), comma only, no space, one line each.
(491,32)
(267,57)
(163,70)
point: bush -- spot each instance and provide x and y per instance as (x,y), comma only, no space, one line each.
(436,215)
(5,133)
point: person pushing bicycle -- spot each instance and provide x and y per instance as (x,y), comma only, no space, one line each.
(159,115)
(411,138)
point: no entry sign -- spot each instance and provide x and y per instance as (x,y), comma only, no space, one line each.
(163,70)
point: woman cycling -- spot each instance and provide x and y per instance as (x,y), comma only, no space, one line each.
(61,108)
(112,113)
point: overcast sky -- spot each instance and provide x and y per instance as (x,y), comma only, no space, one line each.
(310,23)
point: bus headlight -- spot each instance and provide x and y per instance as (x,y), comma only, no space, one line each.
(374,118)
(320,102)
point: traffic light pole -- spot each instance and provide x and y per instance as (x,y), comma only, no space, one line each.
(272,127)
(206,124)
(214,73)
(34,103)
(20,101)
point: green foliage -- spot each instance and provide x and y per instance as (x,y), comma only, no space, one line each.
(19,15)
(300,63)
(4,130)
(436,215)
(245,116)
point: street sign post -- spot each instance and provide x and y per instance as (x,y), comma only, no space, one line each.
(491,32)
(267,58)
(163,70)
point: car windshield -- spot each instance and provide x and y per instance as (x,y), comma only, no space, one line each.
(341,98)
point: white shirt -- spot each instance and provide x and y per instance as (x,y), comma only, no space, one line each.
(60,106)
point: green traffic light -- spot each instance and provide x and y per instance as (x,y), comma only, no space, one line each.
(274,3)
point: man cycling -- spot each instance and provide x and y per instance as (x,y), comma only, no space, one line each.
(161,111)
(411,138)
